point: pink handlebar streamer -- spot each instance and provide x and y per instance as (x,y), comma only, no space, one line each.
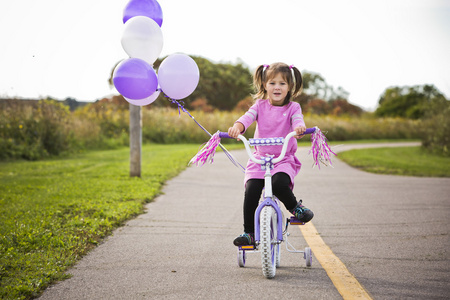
(206,154)
(320,150)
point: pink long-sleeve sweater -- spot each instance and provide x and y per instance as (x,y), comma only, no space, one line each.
(273,121)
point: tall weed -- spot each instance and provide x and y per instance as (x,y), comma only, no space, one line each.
(38,129)
(167,126)
(365,127)
(101,126)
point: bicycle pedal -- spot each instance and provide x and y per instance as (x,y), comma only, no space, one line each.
(295,221)
(248,247)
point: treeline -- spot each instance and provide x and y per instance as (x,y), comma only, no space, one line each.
(225,86)
(425,103)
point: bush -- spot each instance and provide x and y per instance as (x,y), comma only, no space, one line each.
(33,130)
(37,129)
(436,133)
(102,125)
(168,126)
(365,127)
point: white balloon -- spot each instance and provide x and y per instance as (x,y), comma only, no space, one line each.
(146,101)
(178,76)
(142,38)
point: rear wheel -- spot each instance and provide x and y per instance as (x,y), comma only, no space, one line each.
(241,258)
(268,241)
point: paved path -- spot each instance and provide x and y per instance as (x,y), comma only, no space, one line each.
(391,232)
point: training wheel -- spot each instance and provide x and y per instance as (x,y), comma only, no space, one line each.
(308,256)
(241,258)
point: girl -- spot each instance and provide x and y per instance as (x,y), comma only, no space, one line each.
(275,116)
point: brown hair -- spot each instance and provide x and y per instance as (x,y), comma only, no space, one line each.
(264,73)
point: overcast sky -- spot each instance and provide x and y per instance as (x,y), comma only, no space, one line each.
(67,48)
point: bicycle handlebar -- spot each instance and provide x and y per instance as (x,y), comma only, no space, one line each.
(226,136)
(266,142)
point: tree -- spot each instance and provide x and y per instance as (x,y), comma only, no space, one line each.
(342,107)
(228,86)
(314,85)
(413,102)
(221,85)
(317,106)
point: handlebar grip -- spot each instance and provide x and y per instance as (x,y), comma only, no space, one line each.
(224,135)
(310,130)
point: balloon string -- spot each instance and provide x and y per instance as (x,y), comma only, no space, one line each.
(181,107)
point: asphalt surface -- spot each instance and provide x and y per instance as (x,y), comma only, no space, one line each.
(391,232)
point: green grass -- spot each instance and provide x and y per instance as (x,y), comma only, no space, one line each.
(371,141)
(410,161)
(53,211)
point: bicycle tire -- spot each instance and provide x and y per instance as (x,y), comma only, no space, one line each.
(268,241)
(241,258)
(278,258)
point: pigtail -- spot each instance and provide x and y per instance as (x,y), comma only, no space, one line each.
(298,86)
(258,82)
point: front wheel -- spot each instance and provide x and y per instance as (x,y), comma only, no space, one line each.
(268,241)
(278,261)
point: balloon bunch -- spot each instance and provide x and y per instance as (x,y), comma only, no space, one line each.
(142,39)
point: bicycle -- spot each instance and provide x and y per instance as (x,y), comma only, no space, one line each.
(269,233)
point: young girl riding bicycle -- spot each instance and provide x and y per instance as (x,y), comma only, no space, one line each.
(276,116)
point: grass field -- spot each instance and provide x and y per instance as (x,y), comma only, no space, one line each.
(410,161)
(53,211)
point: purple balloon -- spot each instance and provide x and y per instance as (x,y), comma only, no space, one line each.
(146,8)
(134,78)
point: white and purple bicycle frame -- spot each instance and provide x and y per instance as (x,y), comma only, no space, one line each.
(267,164)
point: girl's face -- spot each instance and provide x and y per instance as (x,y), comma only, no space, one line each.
(277,89)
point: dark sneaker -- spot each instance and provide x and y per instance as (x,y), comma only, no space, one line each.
(302,213)
(245,239)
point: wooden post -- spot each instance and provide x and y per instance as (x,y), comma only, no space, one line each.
(135,140)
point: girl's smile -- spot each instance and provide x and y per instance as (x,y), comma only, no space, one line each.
(277,89)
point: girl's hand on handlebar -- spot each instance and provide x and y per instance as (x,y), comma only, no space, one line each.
(235,130)
(300,130)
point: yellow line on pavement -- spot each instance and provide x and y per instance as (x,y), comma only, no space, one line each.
(343,280)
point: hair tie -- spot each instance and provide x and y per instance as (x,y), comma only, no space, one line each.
(290,67)
(266,66)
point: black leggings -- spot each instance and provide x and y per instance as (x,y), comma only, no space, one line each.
(253,189)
